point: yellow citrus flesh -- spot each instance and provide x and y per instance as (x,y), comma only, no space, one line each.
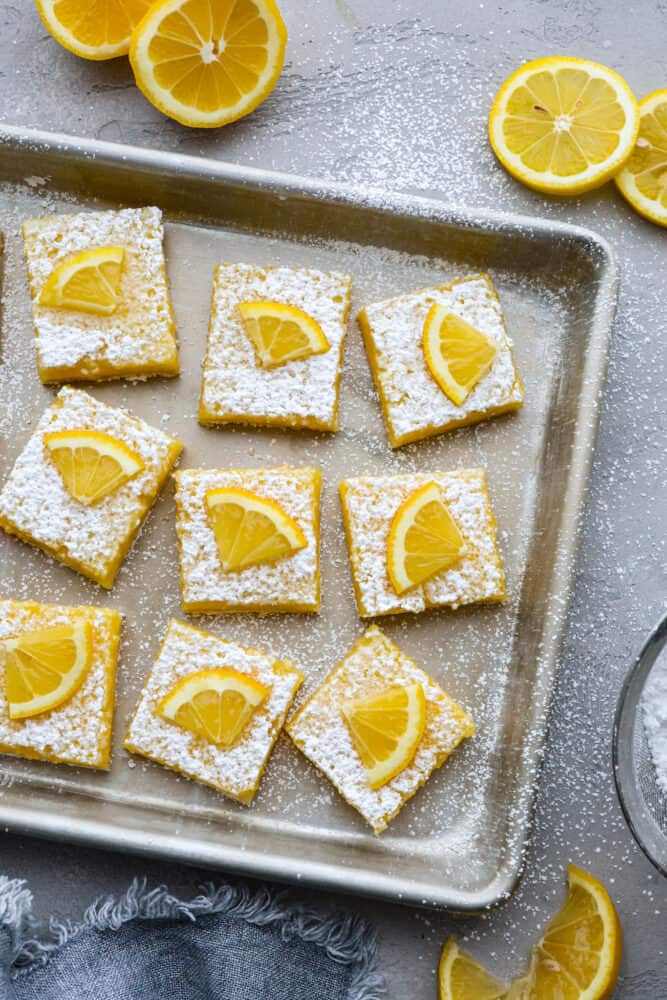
(89,282)
(96,29)
(579,954)
(91,464)
(280,333)
(250,530)
(214,704)
(424,539)
(458,355)
(462,978)
(563,125)
(386,729)
(208,62)
(43,669)
(643,179)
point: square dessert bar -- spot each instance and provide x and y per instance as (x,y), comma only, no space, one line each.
(237,771)
(413,404)
(36,506)
(318,729)
(79,730)
(135,341)
(300,394)
(290,584)
(369,505)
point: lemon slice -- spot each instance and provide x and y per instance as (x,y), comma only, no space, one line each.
(563,125)
(96,29)
(281,333)
(91,464)
(44,668)
(423,539)
(462,978)
(386,729)
(208,62)
(214,704)
(458,355)
(643,179)
(89,282)
(250,530)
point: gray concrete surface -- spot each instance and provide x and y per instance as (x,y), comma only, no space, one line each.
(396,93)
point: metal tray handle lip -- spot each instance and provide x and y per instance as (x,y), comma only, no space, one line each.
(389,201)
(653,646)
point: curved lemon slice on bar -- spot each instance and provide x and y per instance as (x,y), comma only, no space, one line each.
(424,539)
(281,333)
(643,179)
(386,729)
(250,530)
(457,354)
(91,464)
(563,125)
(89,282)
(96,29)
(214,704)
(45,668)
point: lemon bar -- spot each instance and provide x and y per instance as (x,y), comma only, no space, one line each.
(138,339)
(237,771)
(289,584)
(36,506)
(319,731)
(413,404)
(303,393)
(79,730)
(369,505)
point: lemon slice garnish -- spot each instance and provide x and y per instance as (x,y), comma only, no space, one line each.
(91,464)
(89,282)
(563,125)
(424,539)
(643,179)
(281,333)
(457,354)
(96,29)
(44,668)
(386,729)
(462,978)
(208,62)
(214,704)
(250,530)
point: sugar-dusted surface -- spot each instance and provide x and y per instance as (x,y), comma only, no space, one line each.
(413,401)
(370,503)
(373,664)
(290,583)
(79,731)
(235,772)
(235,388)
(138,338)
(35,503)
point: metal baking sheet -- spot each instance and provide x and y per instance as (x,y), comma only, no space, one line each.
(459,843)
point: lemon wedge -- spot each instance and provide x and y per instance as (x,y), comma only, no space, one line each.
(643,179)
(91,464)
(250,530)
(457,354)
(462,978)
(45,668)
(386,729)
(96,29)
(424,539)
(281,333)
(214,704)
(89,282)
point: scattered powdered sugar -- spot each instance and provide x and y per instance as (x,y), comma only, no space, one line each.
(235,771)
(655,719)
(301,393)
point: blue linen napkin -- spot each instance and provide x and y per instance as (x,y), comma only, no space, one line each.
(228,943)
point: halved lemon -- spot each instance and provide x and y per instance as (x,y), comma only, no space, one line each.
(214,704)
(563,125)
(91,464)
(457,354)
(96,29)
(250,530)
(643,179)
(386,729)
(208,62)
(423,539)
(89,282)
(281,333)
(462,978)
(46,667)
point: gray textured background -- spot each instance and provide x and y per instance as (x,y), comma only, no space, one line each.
(396,93)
